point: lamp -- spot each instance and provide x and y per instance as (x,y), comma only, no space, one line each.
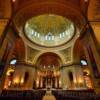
(13,0)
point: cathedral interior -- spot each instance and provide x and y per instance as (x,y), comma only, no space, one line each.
(50,49)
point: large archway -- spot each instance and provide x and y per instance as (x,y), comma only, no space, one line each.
(48,74)
(49,59)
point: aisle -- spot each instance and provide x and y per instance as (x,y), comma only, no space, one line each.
(49,96)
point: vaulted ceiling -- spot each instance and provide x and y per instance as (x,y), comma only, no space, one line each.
(76,10)
(24,10)
(21,10)
(72,9)
(49,60)
(7,8)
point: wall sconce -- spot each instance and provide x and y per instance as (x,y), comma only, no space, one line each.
(80,81)
(16,81)
(9,83)
(60,83)
(75,82)
(37,83)
(22,81)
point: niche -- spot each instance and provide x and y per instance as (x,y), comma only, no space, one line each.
(70,74)
(26,77)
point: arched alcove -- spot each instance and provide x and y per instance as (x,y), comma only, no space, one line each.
(26,77)
(70,74)
(49,59)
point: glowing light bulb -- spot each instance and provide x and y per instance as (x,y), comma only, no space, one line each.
(32,32)
(52,37)
(60,35)
(63,34)
(13,0)
(49,66)
(35,34)
(38,35)
(46,37)
(49,38)
(44,67)
(22,80)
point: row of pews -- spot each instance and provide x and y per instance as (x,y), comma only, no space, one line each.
(76,95)
(59,95)
(22,95)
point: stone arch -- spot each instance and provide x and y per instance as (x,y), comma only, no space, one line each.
(57,53)
(49,59)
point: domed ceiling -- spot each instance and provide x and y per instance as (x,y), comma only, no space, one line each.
(49,30)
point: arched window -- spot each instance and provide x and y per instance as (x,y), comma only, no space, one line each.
(83,62)
(13,61)
(26,77)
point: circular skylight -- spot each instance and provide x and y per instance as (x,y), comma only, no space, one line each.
(49,30)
